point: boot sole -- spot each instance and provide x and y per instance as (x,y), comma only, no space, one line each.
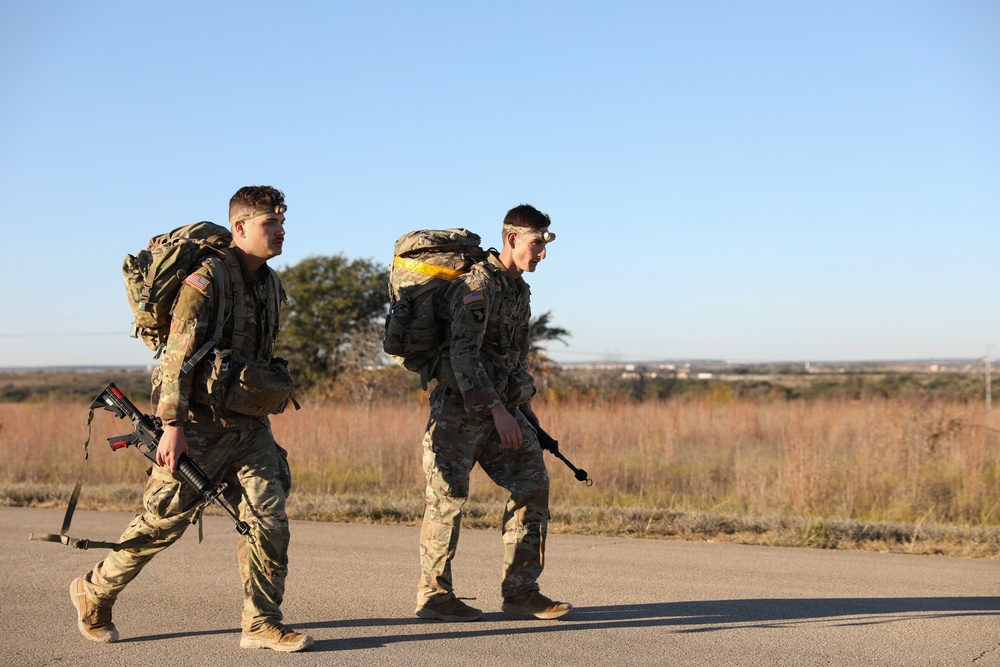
(544,615)
(250,642)
(432,615)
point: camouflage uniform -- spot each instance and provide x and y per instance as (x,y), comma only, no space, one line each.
(230,447)
(485,366)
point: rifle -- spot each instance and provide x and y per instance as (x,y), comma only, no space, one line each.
(550,444)
(146,437)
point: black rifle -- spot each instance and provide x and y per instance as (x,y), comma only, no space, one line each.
(550,444)
(146,437)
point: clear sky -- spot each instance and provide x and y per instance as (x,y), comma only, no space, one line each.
(736,180)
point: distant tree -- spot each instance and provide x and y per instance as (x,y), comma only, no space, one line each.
(541,331)
(331,325)
(362,370)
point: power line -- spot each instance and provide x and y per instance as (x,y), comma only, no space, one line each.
(67,334)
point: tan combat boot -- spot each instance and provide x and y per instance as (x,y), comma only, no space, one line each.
(535,604)
(276,638)
(93,619)
(453,610)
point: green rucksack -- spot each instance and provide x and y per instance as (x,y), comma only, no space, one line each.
(154,276)
(424,262)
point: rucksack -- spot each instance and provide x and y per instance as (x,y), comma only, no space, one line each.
(154,276)
(424,263)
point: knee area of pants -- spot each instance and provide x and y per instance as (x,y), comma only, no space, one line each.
(273,526)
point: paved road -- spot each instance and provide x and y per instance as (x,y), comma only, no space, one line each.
(638,602)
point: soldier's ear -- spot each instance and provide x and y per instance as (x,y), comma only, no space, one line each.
(239,228)
(509,236)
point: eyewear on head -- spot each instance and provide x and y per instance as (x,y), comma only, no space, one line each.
(278,210)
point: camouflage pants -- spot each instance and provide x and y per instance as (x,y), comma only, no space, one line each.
(258,481)
(453,443)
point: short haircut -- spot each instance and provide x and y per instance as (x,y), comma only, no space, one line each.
(526,216)
(255,198)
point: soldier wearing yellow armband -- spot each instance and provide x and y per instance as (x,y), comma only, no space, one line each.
(480,412)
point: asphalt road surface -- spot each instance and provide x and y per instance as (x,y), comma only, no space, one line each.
(637,602)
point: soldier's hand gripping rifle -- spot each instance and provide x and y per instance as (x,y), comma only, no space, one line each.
(146,437)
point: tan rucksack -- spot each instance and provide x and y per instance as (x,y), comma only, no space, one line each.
(154,276)
(424,262)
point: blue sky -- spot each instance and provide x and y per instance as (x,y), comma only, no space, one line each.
(731,180)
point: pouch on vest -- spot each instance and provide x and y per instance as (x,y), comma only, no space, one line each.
(213,377)
(260,390)
(520,388)
(226,380)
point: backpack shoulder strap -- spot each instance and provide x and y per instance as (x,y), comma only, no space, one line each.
(499,277)
(239,306)
(275,295)
(274,310)
(221,279)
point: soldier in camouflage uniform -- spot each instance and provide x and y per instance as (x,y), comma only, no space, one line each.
(481,413)
(231,447)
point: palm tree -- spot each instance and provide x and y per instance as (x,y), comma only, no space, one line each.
(540,331)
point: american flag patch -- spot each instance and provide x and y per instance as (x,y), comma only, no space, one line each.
(197,281)
(473,297)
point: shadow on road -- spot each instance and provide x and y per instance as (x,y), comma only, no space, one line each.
(701,616)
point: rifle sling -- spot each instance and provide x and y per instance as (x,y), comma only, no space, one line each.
(82,543)
(78,542)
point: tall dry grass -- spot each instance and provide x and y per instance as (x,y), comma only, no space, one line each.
(877,461)
(873,461)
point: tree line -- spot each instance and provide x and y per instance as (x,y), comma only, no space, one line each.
(331,334)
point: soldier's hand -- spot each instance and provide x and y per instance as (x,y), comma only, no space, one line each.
(173,444)
(507,428)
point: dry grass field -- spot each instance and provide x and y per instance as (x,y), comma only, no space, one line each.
(897,474)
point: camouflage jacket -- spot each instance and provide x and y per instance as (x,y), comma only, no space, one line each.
(193,323)
(487,355)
